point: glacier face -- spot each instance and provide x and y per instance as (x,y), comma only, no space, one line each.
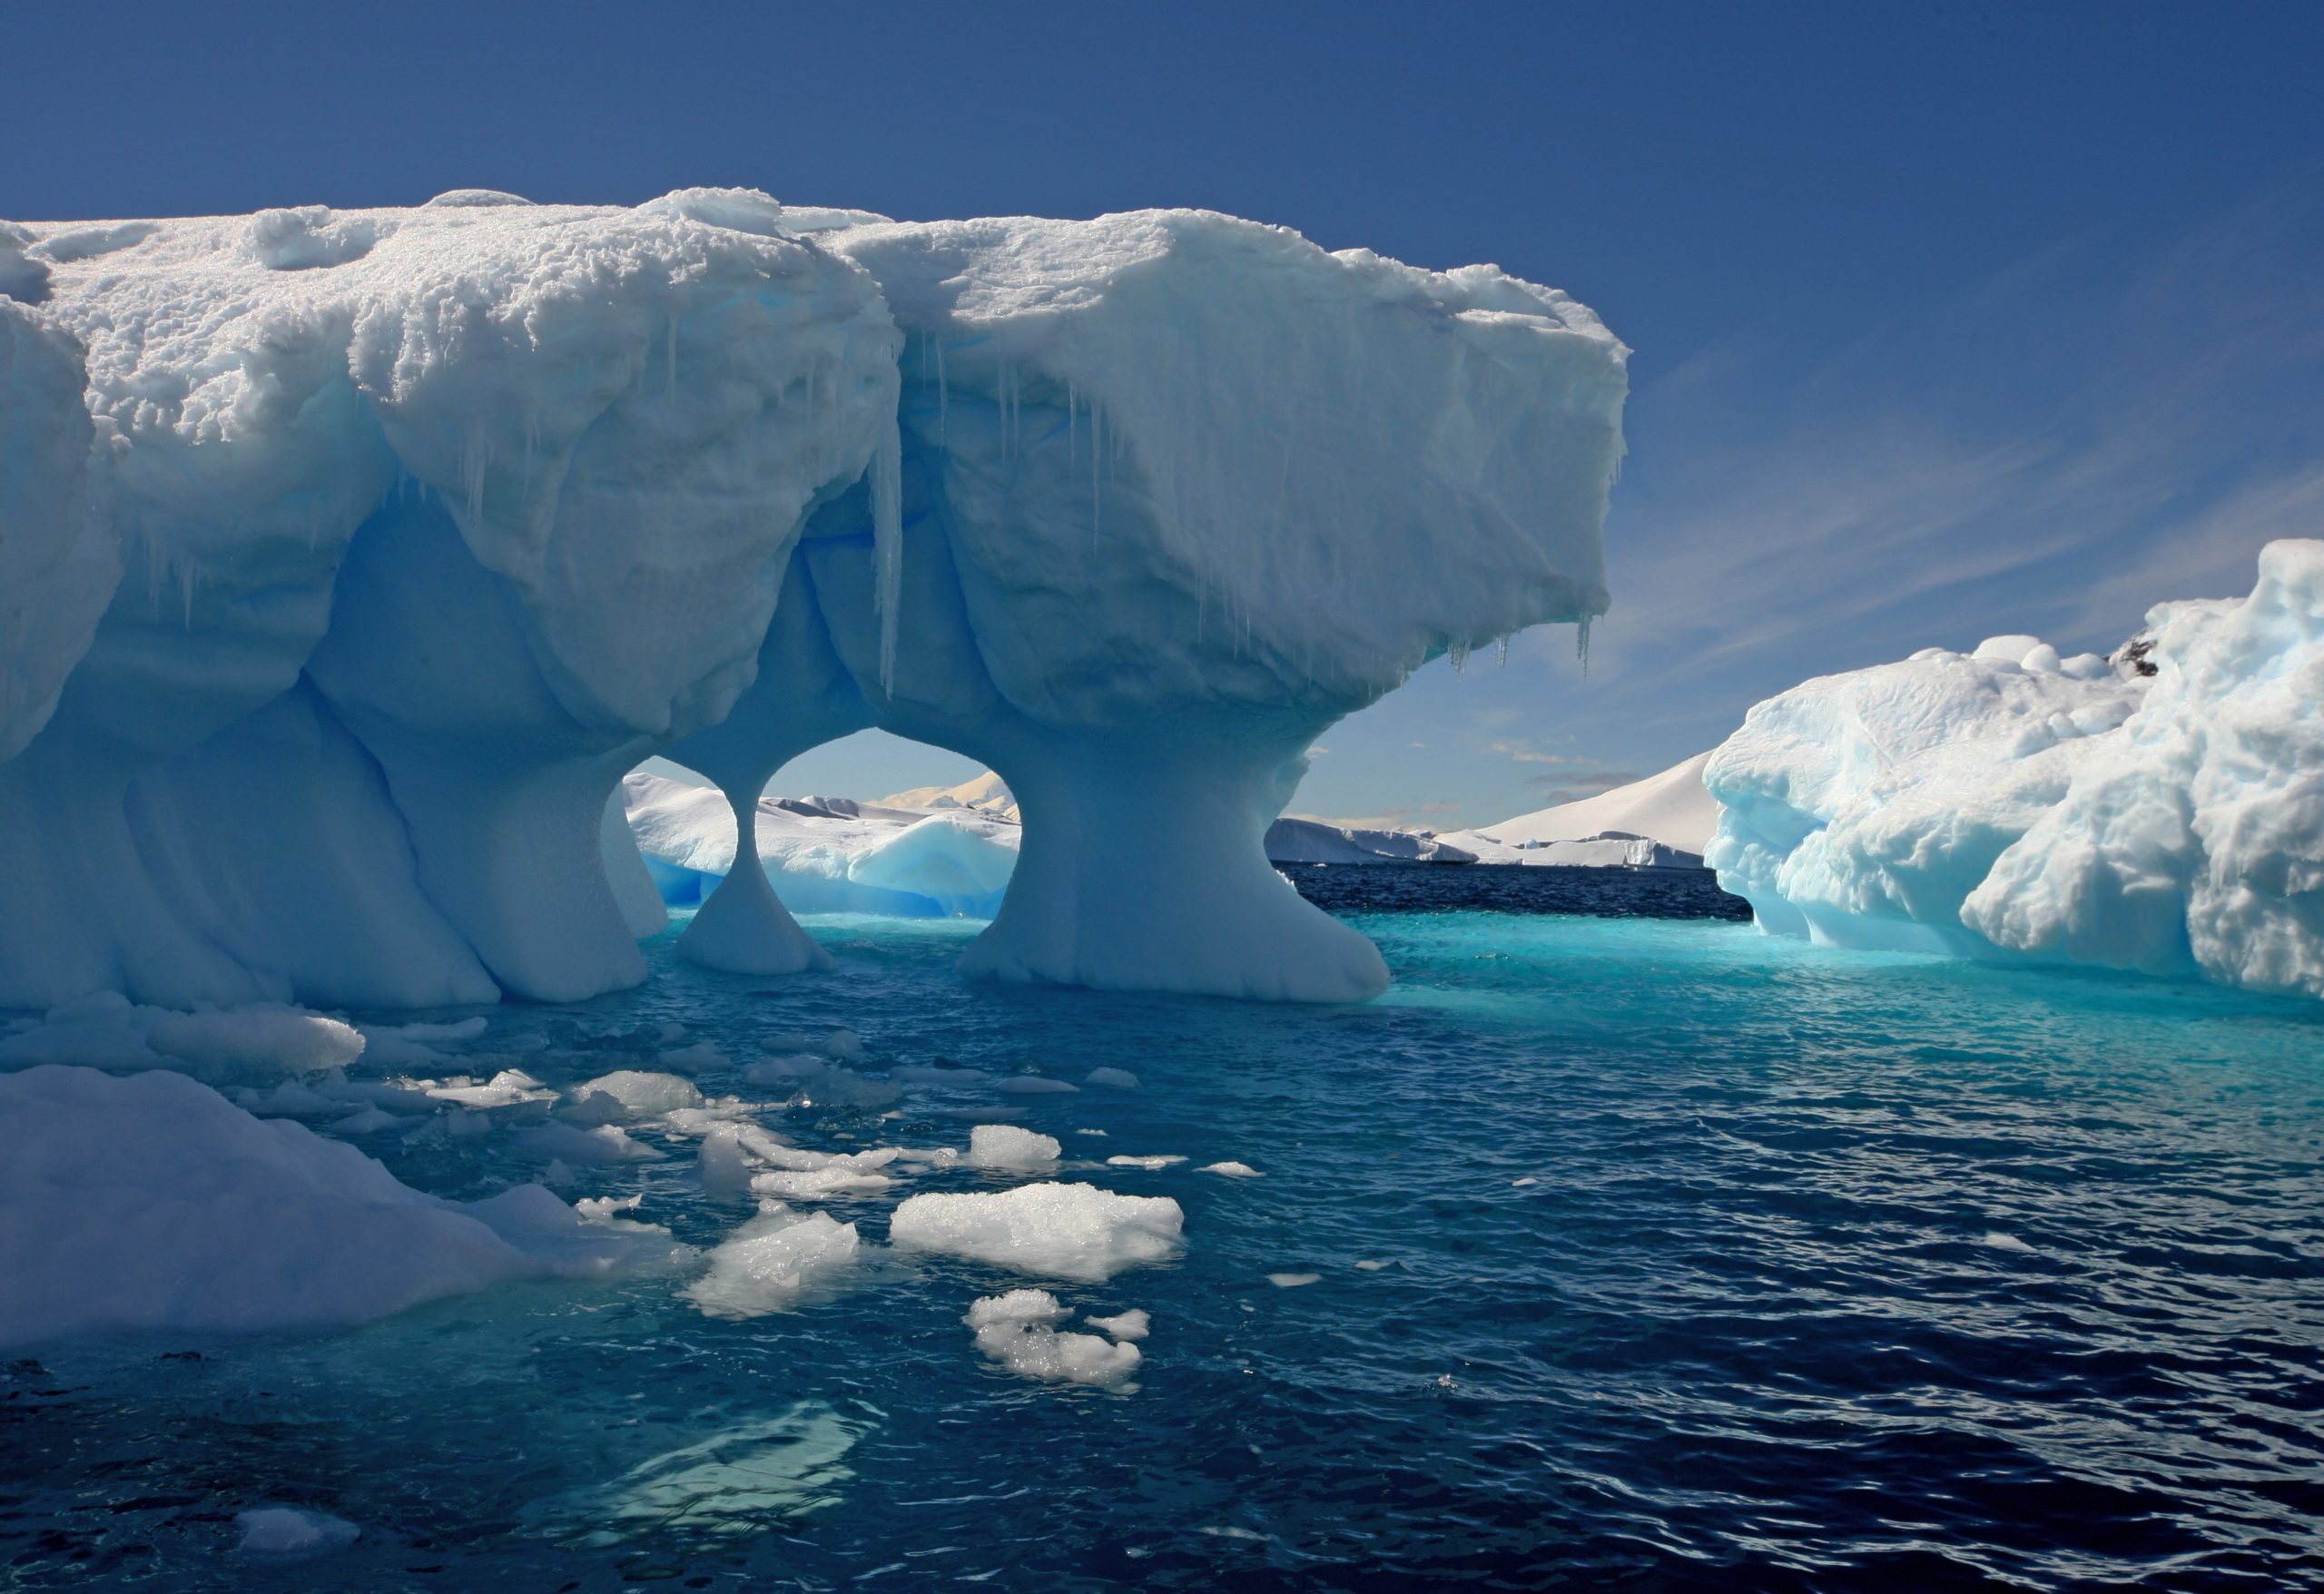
(2010,802)
(368,549)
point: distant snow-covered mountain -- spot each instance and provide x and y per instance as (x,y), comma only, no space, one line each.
(1663,822)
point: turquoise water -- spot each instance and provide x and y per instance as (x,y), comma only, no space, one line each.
(1826,1271)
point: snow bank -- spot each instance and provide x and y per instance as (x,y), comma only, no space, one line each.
(2007,801)
(1063,1231)
(1019,1330)
(374,545)
(151,1202)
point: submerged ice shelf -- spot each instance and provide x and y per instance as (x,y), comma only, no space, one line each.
(367,550)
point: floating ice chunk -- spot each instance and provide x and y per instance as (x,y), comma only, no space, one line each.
(2001,1242)
(152,1202)
(1118,1078)
(766,1264)
(1150,1163)
(1034,1085)
(838,1177)
(1133,1324)
(1004,1147)
(1100,1134)
(724,1166)
(1370,1266)
(844,1044)
(1065,1231)
(1018,1331)
(281,1529)
(1521,1184)
(777,1070)
(410,1046)
(509,1087)
(602,1147)
(1292,1281)
(916,1075)
(1232,1170)
(276,1037)
(628,1093)
(370,1121)
(702,1057)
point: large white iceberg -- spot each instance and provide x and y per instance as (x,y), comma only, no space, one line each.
(368,549)
(153,1203)
(2165,812)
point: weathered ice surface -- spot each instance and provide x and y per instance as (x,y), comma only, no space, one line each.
(368,550)
(2165,812)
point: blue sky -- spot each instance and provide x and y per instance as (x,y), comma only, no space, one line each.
(1950,319)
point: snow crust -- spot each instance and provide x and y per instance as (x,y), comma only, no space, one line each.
(367,550)
(151,1202)
(2007,802)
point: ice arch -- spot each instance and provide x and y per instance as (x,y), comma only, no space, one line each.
(435,521)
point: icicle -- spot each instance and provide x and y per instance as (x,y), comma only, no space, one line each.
(943,394)
(1500,650)
(671,386)
(1071,401)
(475,455)
(1581,644)
(888,545)
(1097,452)
(1457,654)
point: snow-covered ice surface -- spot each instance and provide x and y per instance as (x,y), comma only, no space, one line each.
(368,549)
(2007,802)
(1581,1197)
(1663,822)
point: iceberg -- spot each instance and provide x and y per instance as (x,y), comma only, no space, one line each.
(151,1202)
(2160,811)
(368,550)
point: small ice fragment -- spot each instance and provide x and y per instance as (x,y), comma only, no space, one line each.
(607,1208)
(1099,1133)
(630,1093)
(1120,1079)
(918,1075)
(1133,1324)
(724,1167)
(839,1177)
(1150,1164)
(1292,1281)
(1005,1147)
(370,1121)
(1521,1183)
(2001,1242)
(1019,1330)
(1065,1231)
(281,1529)
(766,1264)
(1034,1085)
(598,1147)
(699,1057)
(1232,1170)
(1370,1266)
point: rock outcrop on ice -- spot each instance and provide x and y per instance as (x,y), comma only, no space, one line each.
(1663,822)
(2165,812)
(366,550)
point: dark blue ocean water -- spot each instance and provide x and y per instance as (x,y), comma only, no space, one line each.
(1709,1262)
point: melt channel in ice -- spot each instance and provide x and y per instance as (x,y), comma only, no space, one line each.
(363,552)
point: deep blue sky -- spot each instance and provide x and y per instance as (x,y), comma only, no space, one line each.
(1950,319)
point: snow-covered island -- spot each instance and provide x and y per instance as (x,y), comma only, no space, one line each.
(364,552)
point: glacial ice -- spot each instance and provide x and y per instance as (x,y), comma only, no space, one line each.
(1019,1330)
(152,1202)
(362,552)
(1061,1231)
(2010,802)
(765,1266)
